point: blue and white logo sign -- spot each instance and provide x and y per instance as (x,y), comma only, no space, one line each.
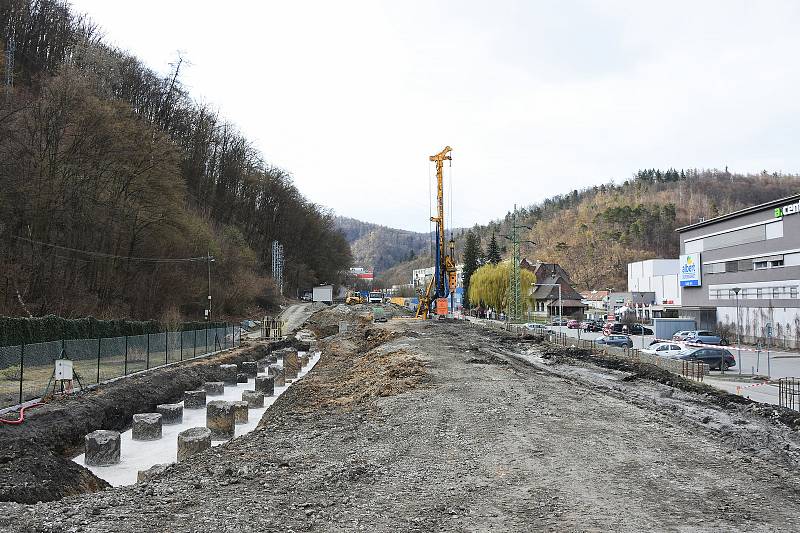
(689,275)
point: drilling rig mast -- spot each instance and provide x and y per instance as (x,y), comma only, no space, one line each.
(444,278)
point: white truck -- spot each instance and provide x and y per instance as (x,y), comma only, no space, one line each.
(375,297)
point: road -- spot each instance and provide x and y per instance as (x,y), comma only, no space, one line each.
(437,426)
(295,315)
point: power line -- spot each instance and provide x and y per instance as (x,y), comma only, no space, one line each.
(114,256)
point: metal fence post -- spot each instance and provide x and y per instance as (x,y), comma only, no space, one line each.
(21,368)
(181,334)
(98,359)
(206,338)
(195,343)
(126,356)
(166,347)
(147,359)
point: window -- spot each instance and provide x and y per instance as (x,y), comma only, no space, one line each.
(776,292)
(731,266)
(760,265)
(792,292)
(759,294)
(775,264)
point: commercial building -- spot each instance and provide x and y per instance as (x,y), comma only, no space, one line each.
(632,304)
(751,258)
(596,303)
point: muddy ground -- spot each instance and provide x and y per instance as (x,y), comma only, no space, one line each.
(414,426)
(35,457)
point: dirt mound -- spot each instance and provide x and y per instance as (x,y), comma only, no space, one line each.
(639,370)
(31,473)
(326,322)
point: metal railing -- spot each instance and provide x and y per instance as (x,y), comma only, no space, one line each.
(26,370)
(789,393)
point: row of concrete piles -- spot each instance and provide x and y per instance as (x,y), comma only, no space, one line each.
(103,446)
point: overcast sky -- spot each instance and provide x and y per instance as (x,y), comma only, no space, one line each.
(535,97)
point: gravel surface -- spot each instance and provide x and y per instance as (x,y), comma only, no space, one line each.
(426,426)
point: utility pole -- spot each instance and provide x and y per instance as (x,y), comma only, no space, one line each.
(277,265)
(11,48)
(209,260)
(514,304)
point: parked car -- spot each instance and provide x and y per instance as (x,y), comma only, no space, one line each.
(573,324)
(713,357)
(628,329)
(306,297)
(590,325)
(681,335)
(703,337)
(558,322)
(665,349)
(536,328)
(620,341)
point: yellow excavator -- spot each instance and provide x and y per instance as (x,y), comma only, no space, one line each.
(444,279)
(353,298)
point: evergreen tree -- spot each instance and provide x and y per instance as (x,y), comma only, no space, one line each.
(472,260)
(493,251)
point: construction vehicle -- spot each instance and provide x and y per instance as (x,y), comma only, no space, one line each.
(353,298)
(444,280)
(375,297)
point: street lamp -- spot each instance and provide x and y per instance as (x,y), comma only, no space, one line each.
(210,259)
(738,346)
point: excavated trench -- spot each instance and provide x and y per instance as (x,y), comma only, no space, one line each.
(35,457)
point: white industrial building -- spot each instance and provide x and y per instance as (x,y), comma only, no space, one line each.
(659,276)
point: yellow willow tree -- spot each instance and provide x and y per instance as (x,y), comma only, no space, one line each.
(489,286)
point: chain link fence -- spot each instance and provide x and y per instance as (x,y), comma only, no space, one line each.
(26,371)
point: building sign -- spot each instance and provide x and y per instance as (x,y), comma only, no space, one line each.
(790,209)
(689,275)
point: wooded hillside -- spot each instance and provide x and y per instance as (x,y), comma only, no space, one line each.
(594,233)
(379,247)
(106,165)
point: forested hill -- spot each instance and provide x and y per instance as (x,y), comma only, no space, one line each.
(106,166)
(595,232)
(379,247)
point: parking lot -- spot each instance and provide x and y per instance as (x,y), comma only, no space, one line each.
(780,363)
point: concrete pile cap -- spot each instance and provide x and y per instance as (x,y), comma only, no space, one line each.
(171,413)
(250,368)
(192,441)
(102,447)
(254,398)
(146,426)
(194,399)
(265,384)
(277,373)
(220,419)
(214,387)
(240,412)
(229,374)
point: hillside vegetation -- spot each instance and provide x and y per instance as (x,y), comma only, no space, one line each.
(594,233)
(116,183)
(381,248)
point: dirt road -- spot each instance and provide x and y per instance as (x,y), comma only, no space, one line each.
(448,427)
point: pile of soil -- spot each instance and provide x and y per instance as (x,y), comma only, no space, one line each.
(641,370)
